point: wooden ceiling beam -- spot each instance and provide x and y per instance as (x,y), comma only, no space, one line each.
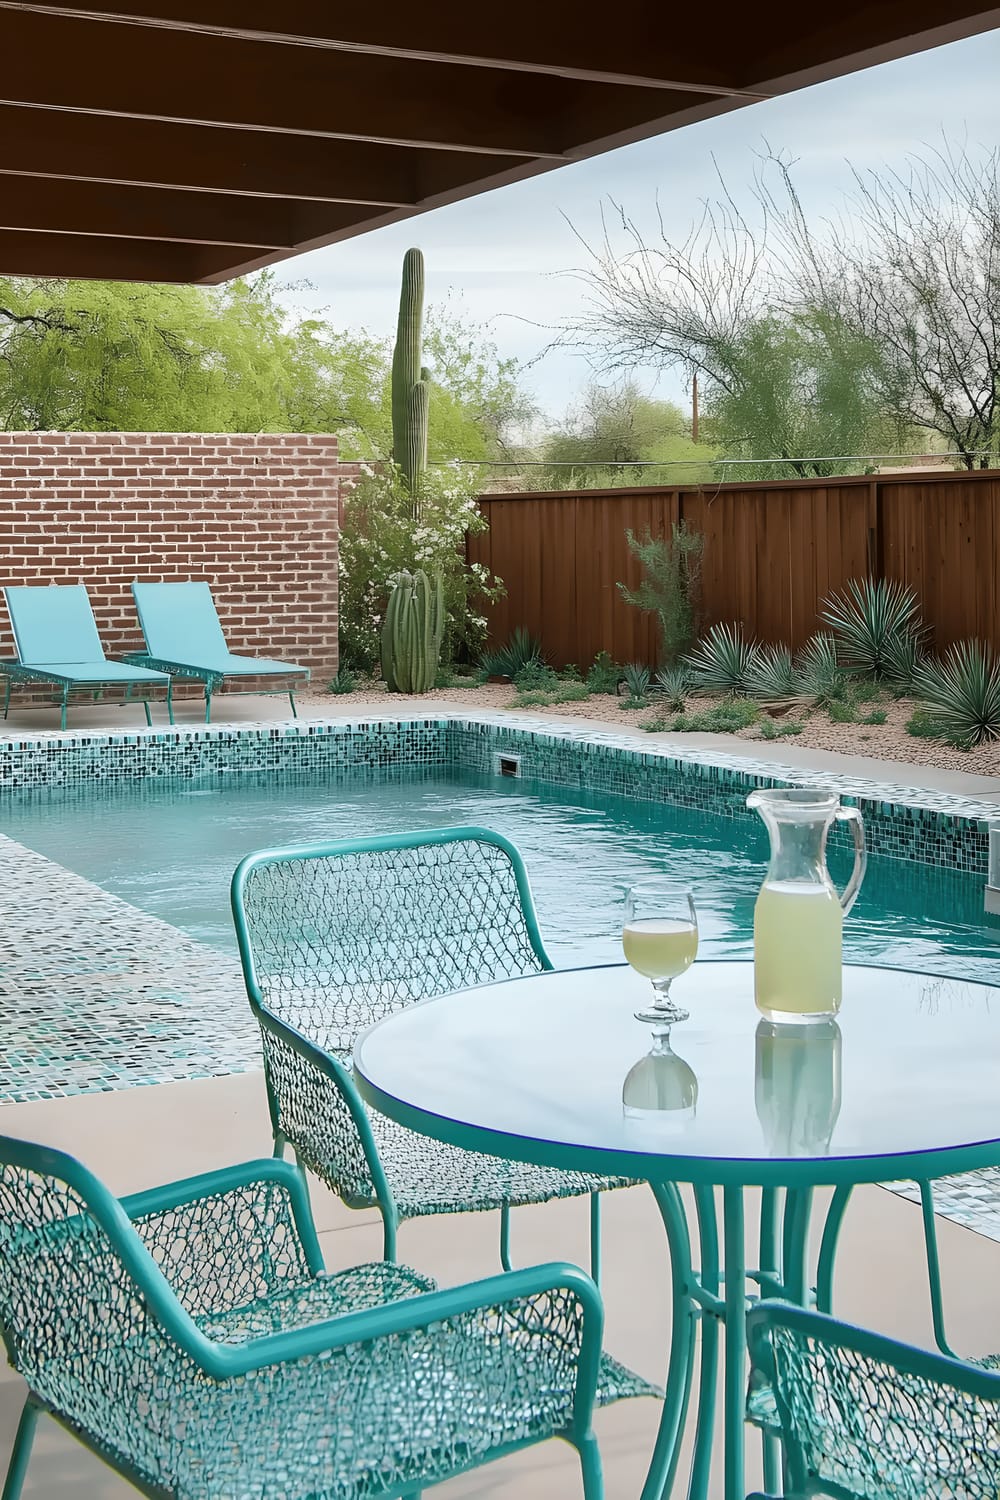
(76,255)
(145,74)
(167,215)
(153,153)
(647,47)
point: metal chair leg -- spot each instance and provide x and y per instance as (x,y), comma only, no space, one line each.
(595,1237)
(590,1464)
(291,699)
(21,1453)
(505,1236)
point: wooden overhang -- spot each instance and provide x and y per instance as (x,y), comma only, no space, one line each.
(195,140)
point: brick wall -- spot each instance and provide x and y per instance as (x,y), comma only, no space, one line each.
(256,517)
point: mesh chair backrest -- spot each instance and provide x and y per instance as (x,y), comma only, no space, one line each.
(343,937)
(53,624)
(179,622)
(74,1322)
(881,1426)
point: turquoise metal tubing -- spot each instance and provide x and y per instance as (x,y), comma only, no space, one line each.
(710,1277)
(344,1081)
(934,1268)
(666,1450)
(21,1454)
(734,1388)
(828,1247)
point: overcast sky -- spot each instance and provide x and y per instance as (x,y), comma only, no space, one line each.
(499,255)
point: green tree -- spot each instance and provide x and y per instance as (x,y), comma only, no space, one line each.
(612,427)
(104,356)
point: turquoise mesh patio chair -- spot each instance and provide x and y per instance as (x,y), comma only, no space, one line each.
(56,639)
(335,936)
(183,636)
(864,1417)
(190,1338)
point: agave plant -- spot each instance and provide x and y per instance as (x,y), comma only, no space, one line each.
(821,679)
(671,687)
(722,661)
(637,678)
(962,694)
(772,678)
(870,619)
(507,661)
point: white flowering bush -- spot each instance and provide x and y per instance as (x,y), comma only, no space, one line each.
(386,529)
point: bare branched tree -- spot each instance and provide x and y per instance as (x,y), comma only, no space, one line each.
(826,341)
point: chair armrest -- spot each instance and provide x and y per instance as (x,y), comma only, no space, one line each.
(229,1237)
(555,1306)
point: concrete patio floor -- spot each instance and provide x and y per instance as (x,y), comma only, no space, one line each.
(135,1138)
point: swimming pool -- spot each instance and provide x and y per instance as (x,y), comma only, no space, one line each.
(169,847)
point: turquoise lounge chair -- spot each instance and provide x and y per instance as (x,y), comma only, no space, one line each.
(190,1336)
(56,639)
(184,637)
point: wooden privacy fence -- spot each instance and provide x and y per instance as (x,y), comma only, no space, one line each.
(773,551)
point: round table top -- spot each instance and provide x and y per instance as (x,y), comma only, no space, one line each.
(906,1082)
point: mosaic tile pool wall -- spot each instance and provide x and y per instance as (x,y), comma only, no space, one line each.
(902,823)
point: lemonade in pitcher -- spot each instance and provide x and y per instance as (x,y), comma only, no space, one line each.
(799,916)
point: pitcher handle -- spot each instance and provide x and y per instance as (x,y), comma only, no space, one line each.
(850,894)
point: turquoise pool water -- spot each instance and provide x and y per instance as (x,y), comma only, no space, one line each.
(170,847)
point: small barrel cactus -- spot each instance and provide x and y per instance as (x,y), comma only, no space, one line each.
(412,633)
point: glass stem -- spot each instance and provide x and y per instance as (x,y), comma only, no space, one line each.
(662,989)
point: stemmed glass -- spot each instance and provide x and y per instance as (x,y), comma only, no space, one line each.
(660,939)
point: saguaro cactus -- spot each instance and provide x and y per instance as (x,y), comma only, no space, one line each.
(410,387)
(412,633)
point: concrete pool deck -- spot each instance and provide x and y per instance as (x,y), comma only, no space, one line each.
(140,1137)
(136,1137)
(236,710)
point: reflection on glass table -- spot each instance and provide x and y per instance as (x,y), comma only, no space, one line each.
(543,1070)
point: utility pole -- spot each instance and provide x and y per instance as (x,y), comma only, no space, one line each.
(694,407)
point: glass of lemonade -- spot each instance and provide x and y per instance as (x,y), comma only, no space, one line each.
(660,939)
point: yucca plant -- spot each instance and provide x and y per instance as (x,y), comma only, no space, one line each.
(821,679)
(721,662)
(870,620)
(671,686)
(962,694)
(772,678)
(903,658)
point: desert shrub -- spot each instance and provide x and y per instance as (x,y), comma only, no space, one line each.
(343,682)
(604,675)
(637,678)
(386,530)
(671,577)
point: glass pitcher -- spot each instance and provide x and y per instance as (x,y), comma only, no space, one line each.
(798,919)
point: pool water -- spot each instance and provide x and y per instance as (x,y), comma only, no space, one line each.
(170,848)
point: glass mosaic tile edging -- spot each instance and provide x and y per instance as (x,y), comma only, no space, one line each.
(903,822)
(99,995)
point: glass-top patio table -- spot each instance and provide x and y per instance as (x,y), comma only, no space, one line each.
(902,1086)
